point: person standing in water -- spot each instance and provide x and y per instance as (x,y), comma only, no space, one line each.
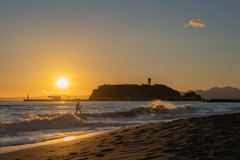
(78,108)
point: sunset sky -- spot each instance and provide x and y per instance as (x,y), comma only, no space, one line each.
(185,44)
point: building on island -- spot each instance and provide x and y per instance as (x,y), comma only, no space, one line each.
(149,81)
(55,98)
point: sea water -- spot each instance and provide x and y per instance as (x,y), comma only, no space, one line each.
(39,121)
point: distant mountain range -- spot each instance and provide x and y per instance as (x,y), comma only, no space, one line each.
(219,93)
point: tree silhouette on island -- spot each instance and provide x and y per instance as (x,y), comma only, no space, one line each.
(134,92)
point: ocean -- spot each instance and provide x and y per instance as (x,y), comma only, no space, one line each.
(24,123)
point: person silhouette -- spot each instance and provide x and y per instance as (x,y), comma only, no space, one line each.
(78,108)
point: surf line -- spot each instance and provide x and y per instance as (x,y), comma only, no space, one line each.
(32,145)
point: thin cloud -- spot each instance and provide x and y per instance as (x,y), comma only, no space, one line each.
(47,92)
(185,25)
(195,23)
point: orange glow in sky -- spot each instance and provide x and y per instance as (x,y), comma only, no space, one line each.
(92,43)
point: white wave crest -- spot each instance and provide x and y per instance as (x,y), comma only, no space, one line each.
(34,123)
(163,108)
(159,107)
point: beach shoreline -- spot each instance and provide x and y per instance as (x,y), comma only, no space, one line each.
(212,137)
(12,148)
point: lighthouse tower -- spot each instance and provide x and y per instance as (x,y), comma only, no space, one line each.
(149,81)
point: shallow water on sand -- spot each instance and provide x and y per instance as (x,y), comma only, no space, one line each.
(32,122)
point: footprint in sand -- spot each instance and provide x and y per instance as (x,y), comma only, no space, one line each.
(99,155)
(84,158)
(112,133)
(125,130)
(143,130)
(121,142)
(149,154)
(30,155)
(153,157)
(112,142)
(119,136)
(77,143)
(84,152)
(103,140)
(108,150)
(84,149)
(64,147)
(100,145)
(125,144)
(73,153)
(149,137)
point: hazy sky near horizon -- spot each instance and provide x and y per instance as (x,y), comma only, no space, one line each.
(185,45)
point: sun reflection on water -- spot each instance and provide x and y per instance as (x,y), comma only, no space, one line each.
(69,138)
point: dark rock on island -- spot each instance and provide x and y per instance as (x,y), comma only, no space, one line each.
(134,92)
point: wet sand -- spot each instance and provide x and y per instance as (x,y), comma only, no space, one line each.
(213,137)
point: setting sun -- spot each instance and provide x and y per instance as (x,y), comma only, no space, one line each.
(62,83)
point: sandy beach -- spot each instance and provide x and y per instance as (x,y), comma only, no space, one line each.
(213,137)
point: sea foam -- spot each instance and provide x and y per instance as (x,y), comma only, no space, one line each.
(63,121)
(69,120)
(156,108)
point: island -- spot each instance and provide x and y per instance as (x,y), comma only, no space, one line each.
(133,92)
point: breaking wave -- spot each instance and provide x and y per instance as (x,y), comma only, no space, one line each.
(34,123)
(69,120)
(161,108)
(156,108)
